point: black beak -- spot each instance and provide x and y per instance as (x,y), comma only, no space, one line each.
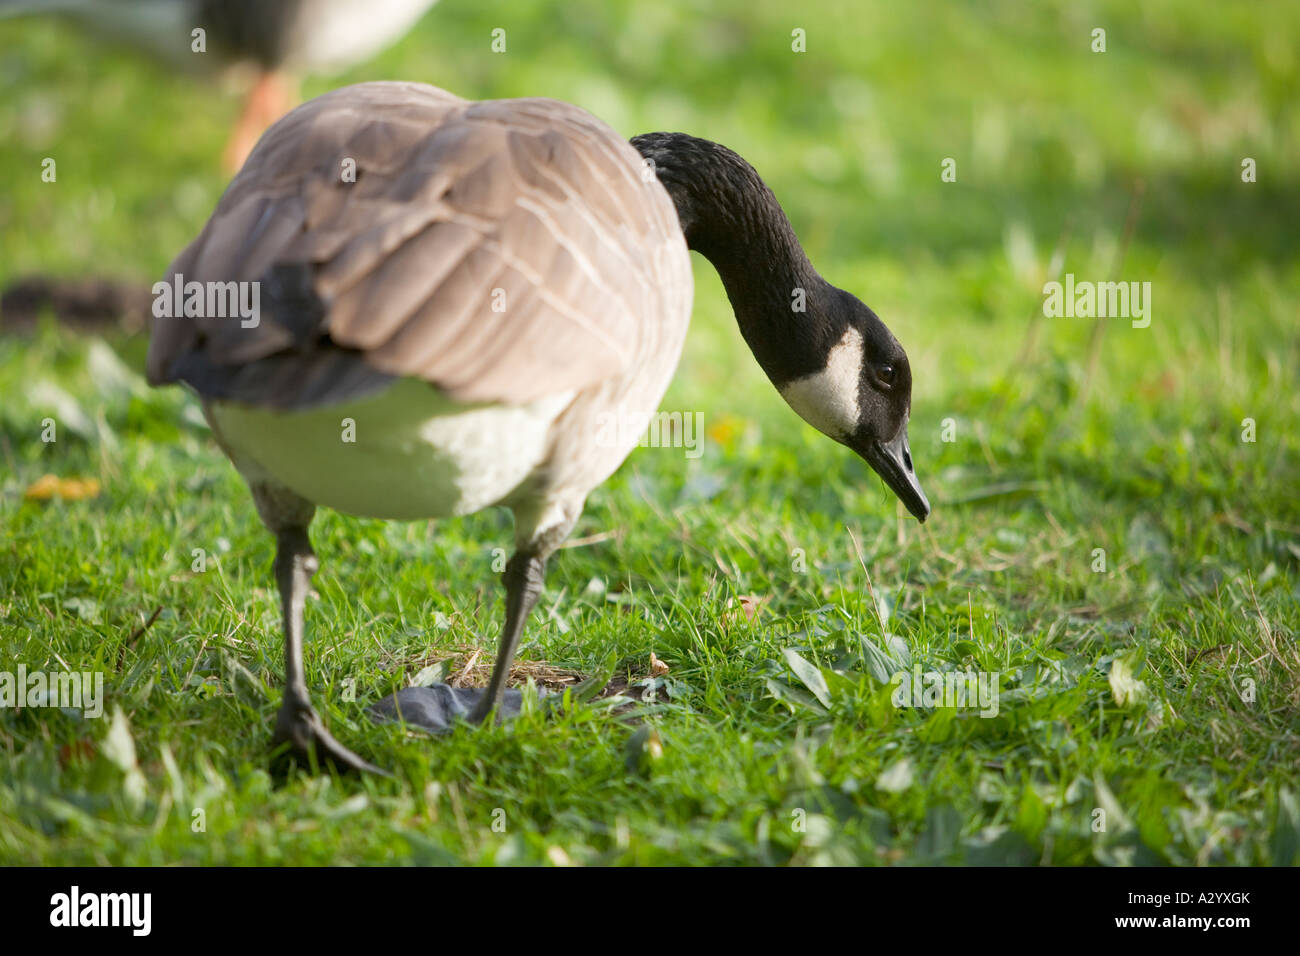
(892,461)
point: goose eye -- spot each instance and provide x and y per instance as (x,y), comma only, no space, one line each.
(886,374)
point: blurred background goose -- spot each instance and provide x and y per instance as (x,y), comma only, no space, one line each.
(455,297)
(278,40)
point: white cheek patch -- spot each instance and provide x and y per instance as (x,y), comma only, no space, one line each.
(828,400)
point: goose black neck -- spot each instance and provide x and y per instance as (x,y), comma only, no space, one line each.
(731,217)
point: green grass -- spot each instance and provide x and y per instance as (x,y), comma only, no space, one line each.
(1138,453)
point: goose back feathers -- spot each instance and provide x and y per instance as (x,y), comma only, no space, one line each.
(501,251)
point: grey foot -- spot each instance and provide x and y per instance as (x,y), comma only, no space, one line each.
(300,727)
(437,708)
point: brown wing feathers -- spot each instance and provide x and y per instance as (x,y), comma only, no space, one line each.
(531,206)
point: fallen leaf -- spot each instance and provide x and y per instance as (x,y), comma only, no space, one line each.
(1124,683)
(897,777)
(643,749)
(809,675)
(85,608)
(119,748)
(725,429)
(81,749)
(65,409)
(43,488)
(747,604)
(47,487)
(79,489)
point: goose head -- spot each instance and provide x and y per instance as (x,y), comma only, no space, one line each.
(832,359)
(859,389)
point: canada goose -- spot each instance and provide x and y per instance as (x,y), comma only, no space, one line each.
(498,276)
(280,39)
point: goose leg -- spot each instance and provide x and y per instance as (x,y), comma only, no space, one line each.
(273,94)
(298,723)
(523,578)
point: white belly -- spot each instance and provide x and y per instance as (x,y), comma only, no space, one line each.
(406,453)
